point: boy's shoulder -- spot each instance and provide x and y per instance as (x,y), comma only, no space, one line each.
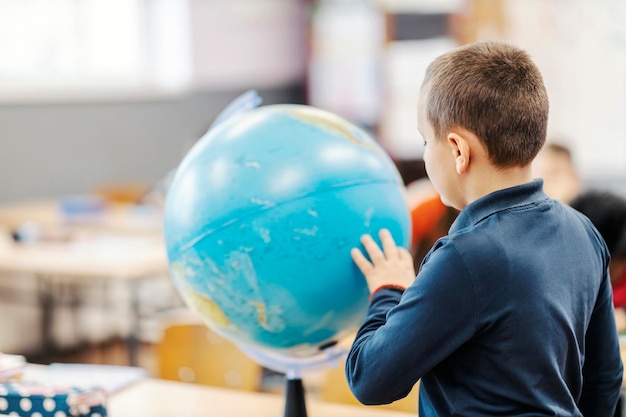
(483,251)
(510,225)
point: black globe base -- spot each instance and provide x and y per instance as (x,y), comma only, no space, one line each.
(295,405)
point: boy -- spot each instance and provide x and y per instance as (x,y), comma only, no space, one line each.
(511,313)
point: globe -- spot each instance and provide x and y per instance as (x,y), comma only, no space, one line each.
(260,218)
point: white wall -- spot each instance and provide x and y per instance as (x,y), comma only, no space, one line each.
(55,149)
(580,47)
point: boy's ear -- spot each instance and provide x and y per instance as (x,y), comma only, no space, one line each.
(461,151)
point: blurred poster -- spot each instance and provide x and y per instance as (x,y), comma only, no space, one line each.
(406,63)
(240,44)
(347,40)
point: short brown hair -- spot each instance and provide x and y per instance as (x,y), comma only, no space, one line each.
(494,90)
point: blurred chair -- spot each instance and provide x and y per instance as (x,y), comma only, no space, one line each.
(191,352)
(123,192)
(335,389)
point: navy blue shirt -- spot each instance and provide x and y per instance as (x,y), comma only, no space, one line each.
(510,315)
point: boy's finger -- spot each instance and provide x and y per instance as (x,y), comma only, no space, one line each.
(360,260)
(405,254)
(389,245)
(372,249)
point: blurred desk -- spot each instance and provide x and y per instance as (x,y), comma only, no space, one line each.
(110,217)
(159,398)
(125,258)
(117,243)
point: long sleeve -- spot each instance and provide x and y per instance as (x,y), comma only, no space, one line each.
(406,335)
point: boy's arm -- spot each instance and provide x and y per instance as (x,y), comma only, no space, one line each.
(400,341)
(602,370)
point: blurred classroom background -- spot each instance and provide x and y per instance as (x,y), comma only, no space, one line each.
(101,99)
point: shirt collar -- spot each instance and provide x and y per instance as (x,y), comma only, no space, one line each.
(496,201)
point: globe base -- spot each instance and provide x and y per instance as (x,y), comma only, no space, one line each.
(295,403)
(293,368)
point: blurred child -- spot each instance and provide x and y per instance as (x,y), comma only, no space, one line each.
(555,165)
(511,312)
(607,211)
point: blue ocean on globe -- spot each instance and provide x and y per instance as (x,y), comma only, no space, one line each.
(260,219)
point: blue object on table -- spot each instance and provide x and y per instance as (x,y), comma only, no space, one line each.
(26,399)
(81,207)
(260,219)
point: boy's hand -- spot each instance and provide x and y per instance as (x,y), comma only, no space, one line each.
(390,266)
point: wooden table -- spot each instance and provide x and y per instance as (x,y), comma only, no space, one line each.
(116,244)
(159,398)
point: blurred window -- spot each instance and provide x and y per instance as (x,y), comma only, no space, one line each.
(102,47)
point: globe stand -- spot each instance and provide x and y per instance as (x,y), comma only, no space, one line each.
(295,404)
(293,367)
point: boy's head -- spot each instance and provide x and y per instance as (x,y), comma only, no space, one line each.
(493,90)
